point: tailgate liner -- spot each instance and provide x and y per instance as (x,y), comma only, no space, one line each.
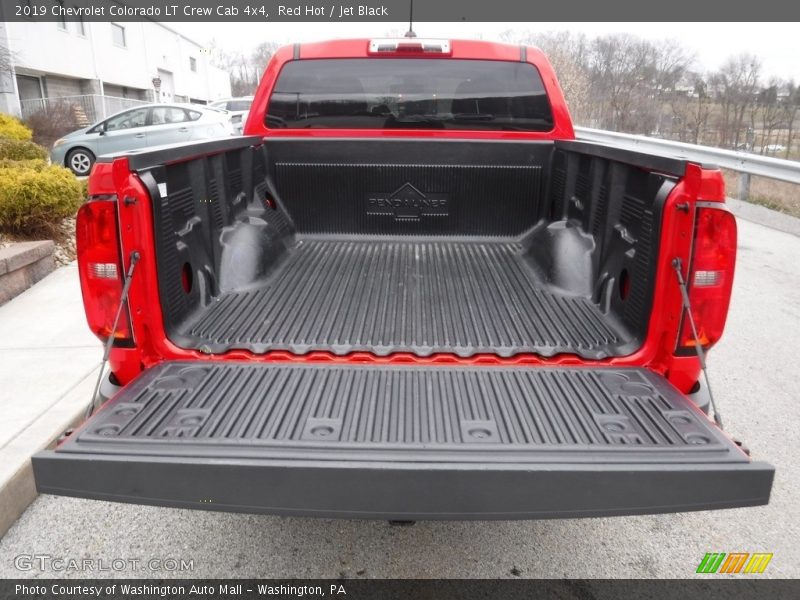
(381,296)
(404,442)
(457,413)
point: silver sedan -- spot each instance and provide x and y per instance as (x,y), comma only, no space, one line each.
(140,127)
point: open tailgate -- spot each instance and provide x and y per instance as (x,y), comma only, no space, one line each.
(404,442)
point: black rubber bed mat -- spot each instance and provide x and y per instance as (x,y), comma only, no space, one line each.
(404,442)
(251,409)
(402,296)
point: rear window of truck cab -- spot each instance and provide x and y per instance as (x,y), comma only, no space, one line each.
(395,93)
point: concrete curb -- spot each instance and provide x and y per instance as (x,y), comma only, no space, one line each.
(23,264)
(17,488)
(765,216)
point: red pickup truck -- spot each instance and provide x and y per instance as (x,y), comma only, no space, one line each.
(408,292)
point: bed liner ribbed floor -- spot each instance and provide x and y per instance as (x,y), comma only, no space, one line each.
(462,297)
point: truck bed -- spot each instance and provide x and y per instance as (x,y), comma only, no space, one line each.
(417,247)
(380,296)
(399,210)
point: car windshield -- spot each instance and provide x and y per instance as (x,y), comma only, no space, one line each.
(385,93)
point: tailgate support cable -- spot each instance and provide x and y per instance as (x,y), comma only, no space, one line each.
(687,307)
(110,341)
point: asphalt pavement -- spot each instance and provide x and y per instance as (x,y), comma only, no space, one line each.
(754,374)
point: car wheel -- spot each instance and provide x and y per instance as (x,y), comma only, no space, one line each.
(80,161)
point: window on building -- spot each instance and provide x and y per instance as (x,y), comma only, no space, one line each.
(118,35)
(193,63)
(30,92)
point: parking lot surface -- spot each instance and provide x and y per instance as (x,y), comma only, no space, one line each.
(754,372)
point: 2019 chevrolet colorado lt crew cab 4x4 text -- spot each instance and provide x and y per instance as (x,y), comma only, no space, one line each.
(408,292)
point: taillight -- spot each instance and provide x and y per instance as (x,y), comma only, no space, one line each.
(710,277)
(101,271)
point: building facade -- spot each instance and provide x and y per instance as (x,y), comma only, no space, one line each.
(104,66)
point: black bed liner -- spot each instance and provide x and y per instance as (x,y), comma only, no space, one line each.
(385,296)
(412,246)
(404,442)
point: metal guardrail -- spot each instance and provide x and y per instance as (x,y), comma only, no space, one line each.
(742,162)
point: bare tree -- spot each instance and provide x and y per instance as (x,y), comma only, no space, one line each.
(670,66)
(790,106)
(692,109)
(738,82)
(767,105)
(623,68)
(245,69)
(615,81)
(701,109)
(567,54)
